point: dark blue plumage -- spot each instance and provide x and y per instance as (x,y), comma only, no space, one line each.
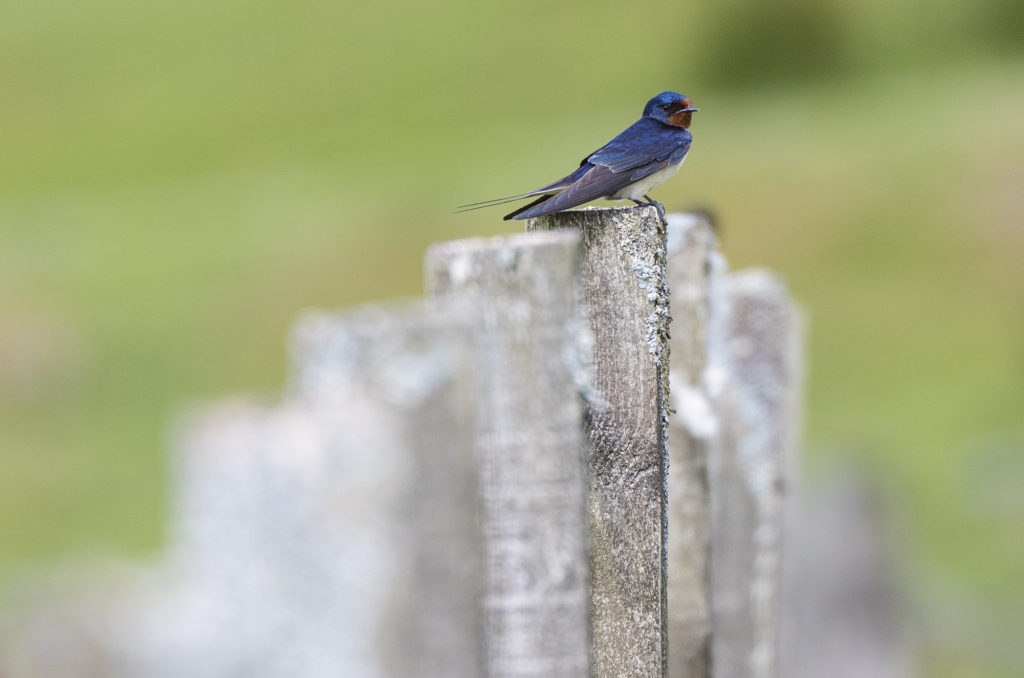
(627,167)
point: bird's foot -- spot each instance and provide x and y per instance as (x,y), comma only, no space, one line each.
(656,204)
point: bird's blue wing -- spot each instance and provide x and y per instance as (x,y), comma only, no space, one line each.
(647,145)
(597,182)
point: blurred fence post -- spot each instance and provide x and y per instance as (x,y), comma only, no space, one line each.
(522,293)
(754,379)
(842,606)
(626,292)
(403,380)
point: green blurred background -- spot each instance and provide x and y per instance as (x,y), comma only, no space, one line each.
(178,179)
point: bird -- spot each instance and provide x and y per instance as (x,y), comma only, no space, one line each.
(644,155)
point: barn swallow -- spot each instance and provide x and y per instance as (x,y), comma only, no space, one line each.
(644,155)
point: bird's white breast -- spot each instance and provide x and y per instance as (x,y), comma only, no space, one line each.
(637,190)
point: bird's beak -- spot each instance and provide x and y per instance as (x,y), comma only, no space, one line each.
(689,109)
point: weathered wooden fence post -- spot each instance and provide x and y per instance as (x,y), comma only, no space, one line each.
(626,292)
(522,292)
(692,428)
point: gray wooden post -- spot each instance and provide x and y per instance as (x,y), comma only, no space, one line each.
(692,427)
(531,354)
(402,381)
(625,288)
(843,610)
(754,376)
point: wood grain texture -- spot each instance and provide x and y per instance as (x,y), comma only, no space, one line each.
(523,293)
(626,292)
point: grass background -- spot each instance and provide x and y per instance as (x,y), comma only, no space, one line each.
(178,179)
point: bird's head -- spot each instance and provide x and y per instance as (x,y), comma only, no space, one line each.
(671,108)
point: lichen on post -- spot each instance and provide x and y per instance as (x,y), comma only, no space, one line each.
(626,292)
